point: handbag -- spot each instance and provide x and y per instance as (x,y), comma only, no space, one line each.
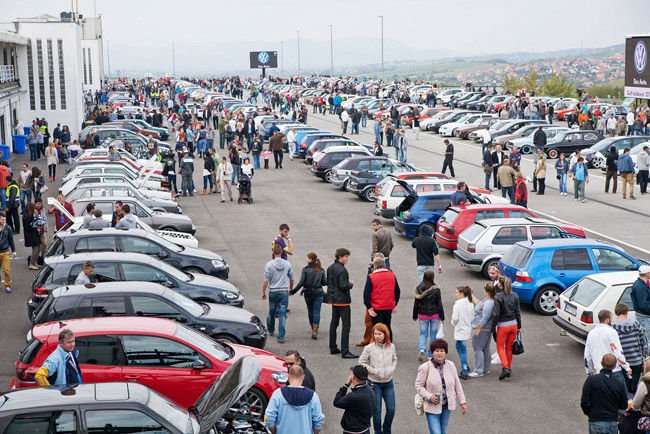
(629,423)
(327,297)
(440,334)
(518,345)
(418,400)
(43,189)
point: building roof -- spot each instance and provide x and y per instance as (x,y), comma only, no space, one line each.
(13,38)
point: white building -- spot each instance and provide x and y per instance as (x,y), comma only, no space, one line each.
(12,48)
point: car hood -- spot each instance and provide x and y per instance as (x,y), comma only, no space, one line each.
(201,253)
(212,282)
(213,404)
(224,312)
(168,217)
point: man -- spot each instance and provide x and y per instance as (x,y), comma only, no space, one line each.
(359,404)
(401,146)
(113,154)
(458,197)
(345,118)
(611,163)
(626,172)
(497,160)
(6,244)
(128,220)
(379,132)
(186,166)
(283,241)
(643,164)
(60,219)
(4,173)
(291,142)
(25,184)
(539,140)
(515,158)
(633,342)
(601,340)
(98,222)
(292,358)
(603,396)
(87,271)
(521,191)
(382,241)
(449,158)
(381,294)
(641,299)
(278,279)
(294,408)
(13,203)
(426,252)
(580,179)
(275,143)
(338,290)
(62,366)
(507,177)
(488,165)
(117,214)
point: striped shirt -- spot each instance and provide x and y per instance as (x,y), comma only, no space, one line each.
(633,340)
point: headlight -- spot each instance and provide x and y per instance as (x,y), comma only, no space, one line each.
(218,263)
(231,295)
(280,377)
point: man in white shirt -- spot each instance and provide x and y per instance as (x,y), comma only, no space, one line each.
(291,141)
(630,117)
(345,118)
(601,340)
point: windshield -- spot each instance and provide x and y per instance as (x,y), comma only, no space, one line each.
(203,342)
(603,145)
(188,304)
(472,232)
(498,125)
(585,292)
(171,412)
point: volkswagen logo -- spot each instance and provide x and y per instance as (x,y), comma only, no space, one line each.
(263,57)
(640,57)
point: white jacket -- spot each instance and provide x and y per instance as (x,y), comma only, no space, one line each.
(224,172)
(461,318)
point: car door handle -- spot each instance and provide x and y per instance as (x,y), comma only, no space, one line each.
(131,377)
(562,275)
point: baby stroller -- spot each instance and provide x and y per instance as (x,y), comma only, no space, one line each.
(245,189)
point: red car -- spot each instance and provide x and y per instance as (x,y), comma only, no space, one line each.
(456,219)
(174,360)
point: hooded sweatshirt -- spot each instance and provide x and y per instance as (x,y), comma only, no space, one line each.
(633,340)
(278,272)
(294,409)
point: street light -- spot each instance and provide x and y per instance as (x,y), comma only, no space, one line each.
(382,46)
(298,32)
(331,52)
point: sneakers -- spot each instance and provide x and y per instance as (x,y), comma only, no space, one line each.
(8,290)
(463,376)
(475,374)
(422,357)
(505,372)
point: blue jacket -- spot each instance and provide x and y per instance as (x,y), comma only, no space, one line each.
(641,297)
(585,172)
(55,365)
(294,410)
(625,164)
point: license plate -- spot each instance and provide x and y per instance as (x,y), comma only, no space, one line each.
(572,310)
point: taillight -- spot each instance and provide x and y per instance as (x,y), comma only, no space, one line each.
(471,248)
(557,304)
(41,291)
(406,215)
(587,317)
(522,276)
(303,146)
(316,165)
(384,204)
(26,374)
(450,229)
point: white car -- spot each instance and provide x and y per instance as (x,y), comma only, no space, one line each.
(445,96)
(111,181)
(99,168)
(447,130)
(579,305)
(425,125)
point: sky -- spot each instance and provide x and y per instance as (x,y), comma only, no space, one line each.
(220,33)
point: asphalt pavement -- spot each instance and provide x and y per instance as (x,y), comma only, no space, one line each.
(543,394)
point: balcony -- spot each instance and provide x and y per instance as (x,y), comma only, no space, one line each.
(8,77)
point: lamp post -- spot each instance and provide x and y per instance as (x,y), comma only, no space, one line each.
(331,52)
(298,32)
(382,46)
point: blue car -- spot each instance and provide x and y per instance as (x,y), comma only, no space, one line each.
(541,270)
(419,210)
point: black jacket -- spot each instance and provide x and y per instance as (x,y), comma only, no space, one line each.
(428,302)
(612,159)
(506,308)
(359,406)
(539,139)
(378,151)
(309,382)
(32,236)
(425,247)
(208,164)
(311,282)
(602,396)
(487,158)
(338,284)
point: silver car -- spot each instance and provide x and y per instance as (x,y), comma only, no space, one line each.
(98,190)
(485,242)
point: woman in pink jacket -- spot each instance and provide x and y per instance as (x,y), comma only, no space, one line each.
(438,384)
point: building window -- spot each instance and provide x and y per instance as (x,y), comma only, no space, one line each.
(41,72)
(3,131)
(90,68)
(50,71)
(59,43)
(30,72)
(83,54)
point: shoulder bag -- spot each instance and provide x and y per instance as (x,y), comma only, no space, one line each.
(418,400)
(518,345)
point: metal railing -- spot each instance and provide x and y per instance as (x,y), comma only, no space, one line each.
(7,74)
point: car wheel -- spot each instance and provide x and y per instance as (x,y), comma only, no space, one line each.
(169,228)
(430,225)
(345,185)
(526,149)
(328,176)
(253,401)
(369,194)
(194,270)
(159,209)
(552,153)
(598,162)
(227,338)
(545,300)
(488,264)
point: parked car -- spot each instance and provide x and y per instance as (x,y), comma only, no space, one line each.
(330,157)
(138,241)
(541,270)
(321,144)
(127,124)
(147,299)
(596,154)
(445,96)
(484,243)
(427,124)
(449,129)
(129,267)
(484,124)
(147,178)
(454,116)
(570,141)
(384,165)
(163,132)
(119,180)
(170,358)
(419,210)
(363,180)
(456,219)
(578,306)
(92,156)
(525,143)
(98,190)
(510,126)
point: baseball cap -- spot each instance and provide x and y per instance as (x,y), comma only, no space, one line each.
(360,372)
(644,269)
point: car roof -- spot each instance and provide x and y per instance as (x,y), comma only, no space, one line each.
(99,256)
(111,288)
(55,396)
(356,148)
(101,231)
(104,326)
(516,222)
(482,206)
(615,278)
(563,242)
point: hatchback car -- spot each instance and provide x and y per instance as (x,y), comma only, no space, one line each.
(126,267)
(320,145)
(484,243)
(579,305)
(456,219)
(596,155)
(122,180)
(341,172)
(175,360)
(147,179)
(330,157)
(363,181)
(570,141)
(99,190)
(541,270)
(417,211)
(138,241)
(147,299)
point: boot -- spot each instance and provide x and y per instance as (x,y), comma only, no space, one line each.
(314,331)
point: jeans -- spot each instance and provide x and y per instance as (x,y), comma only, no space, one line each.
(364,121)
(505,337)
(449,162)
(563,178)
(508,191)
(33,156)
(482,353)
(603,427)
(645,322)
(207,179)
(25,197)
(438,422)
(222,140)
(313,308)
(343,314)
(355,128)
(487,180)
(202,144)
(3,198)
(428,328)
(461,348)
(345,127)
(578,189)
(642,177)
(256,160)
(278,156)
(278,302)
(235,174)
(172,182)
(385,392)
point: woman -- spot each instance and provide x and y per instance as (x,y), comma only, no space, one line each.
(256,150)
(38,182)
(377,151)
(482,325)
(506,323)
(233,155)
(52,160)
(32,235)
(416,123)
(380,359)
(428,311)
(461,318)
(438,385)
(208,169)
(210,137)
(247,168)
(540,172)
(40,223)
(562,168)
(639,402)
(66,138)
(224,174)
(312,280)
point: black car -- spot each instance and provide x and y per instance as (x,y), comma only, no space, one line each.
(596,154)
(326,160)
(138,241)
(479,104)
(130,407)
(363,182)
(127,267)
(464,103)
(570,141)
(229,323)
(435,127)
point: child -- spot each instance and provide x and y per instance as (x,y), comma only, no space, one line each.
(461,318)
(266,154)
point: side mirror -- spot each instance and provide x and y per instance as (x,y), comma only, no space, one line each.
(181,319)
(198,365)
(163,254)
(168,283)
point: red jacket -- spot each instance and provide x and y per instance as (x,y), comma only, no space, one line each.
(4,172)
(521,190)
(381,291)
